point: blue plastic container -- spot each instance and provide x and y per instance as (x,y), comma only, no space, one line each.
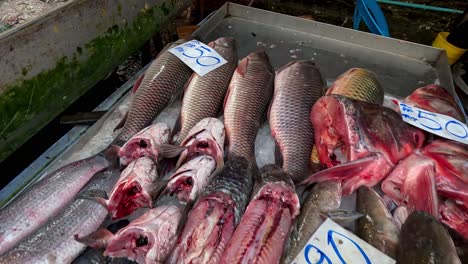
(370,12)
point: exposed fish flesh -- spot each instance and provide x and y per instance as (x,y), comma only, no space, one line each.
(214,217)
(436,99)
(376,227)
(54,242)
(46,198)
(266,223)
(246,103)
(323,198)
(204,95)
(425,241)
(298,85)
(454,216)
(205,138)
(358,84)
(359,142)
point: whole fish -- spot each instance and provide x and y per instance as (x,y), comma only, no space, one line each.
(323,198)
(54,242)
(47,197)
(164,77)
(436,99)
(360,142)
(246,103)
(216,214)
(204,95)
(148,239)
(424,240)
(266,223)
(298,85)
(376,227)
(358,84)
(205,138)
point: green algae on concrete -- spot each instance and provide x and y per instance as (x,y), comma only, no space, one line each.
(28,105)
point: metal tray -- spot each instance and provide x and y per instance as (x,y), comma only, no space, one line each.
(401,66)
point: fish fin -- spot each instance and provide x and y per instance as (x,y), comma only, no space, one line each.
(342,171)
(121,123)
(278,156)
(97,239)
(226,97)
(242,67)
(96,195)
(137,83)
(342,217)
(158,190)
(185,213)
(175,131)
(170,151)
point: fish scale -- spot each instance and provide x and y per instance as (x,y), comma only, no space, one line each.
(246,102)
(298,85)
(204,94)
(163,78)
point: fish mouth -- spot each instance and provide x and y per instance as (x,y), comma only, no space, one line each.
(263,230)
(128,197)
(201,147)
(182,185)
(209,227)
(136,148)
(132,243)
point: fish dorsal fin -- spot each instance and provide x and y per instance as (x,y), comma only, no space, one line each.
(137,84)
(242,67)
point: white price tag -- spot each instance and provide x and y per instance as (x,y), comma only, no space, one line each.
(333,244)
(198,56)
(441,125)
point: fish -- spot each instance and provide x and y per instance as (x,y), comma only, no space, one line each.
(263,230)
(246,103)
(298,85)
(49,196)
(359,142)
(191,178)
(454,216)
(204,95)
(205,138)
(165,76)
(425,240)
(149,238)
(152,141)
(436,99)
(358,84)
(323,198)
(21,217)
(376,227)
(215,215)
(54,242)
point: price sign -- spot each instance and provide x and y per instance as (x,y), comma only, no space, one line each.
(199,57)
(332,244)
(441,125)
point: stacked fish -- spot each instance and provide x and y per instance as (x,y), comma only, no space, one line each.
(186,204)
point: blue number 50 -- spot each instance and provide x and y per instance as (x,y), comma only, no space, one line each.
(332,242)
(424,115)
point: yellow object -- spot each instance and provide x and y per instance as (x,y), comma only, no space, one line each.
(453,52)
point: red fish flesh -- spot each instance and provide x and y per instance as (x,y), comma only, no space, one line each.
(360,142)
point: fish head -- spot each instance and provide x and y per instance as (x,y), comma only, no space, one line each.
(226,42)
(149,238)
(205,138)
(134,188)
(145,143)
(191,178)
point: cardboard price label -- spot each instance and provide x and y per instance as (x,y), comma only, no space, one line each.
(198,56)
(441,125)
(333,244)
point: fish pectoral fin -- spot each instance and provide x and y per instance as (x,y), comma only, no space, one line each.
(121,123)
(170,151)
(278,155)
(158,190)
(341,216)
(96,195)
(98,239)
(184,218)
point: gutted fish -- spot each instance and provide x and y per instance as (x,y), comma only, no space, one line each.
(246,103)
(266,223)
(204,95)
(298,85)
(212,221)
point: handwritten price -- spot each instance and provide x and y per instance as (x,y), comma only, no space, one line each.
(199,57)
(441,125)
